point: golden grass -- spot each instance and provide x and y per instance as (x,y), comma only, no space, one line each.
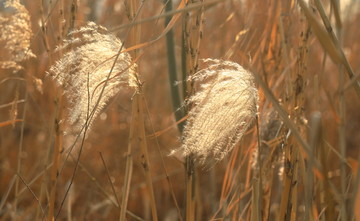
(64,71)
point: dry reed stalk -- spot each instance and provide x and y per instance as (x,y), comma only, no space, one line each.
(271,156)
(191,38)
(257,185)
(19,160)
(315,138)
(337,41)
(58,127)
(145,158)
(190,188)
(288,181)
(134,39)
(230,187)
(137,136)
(73,11)
(329,41)
(133,125)
(56,155)
(129,161)
(342,113)
(295,187)
(138,99)
(295,103)
(342,146)
(45,39)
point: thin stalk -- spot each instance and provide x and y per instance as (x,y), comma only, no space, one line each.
(141,137)
(163,165)
(129,160)
(257,193)
(314,134)
(172,67)
(294,185)
(329,40)
(325,193)
(58,127)
(192,34)
(56,155)
(47,162)
(20,151)
(342,111)
(7,193)
(285,206)
(191,7)
(342,145)
(109,178)
(190,188)
(285,117)
(134,38)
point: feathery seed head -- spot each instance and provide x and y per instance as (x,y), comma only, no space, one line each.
(15,35)
(84,70)
(224,105)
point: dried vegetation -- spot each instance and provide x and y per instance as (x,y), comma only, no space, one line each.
(274,111)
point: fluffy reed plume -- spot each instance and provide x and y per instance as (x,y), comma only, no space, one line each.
(84,68)
(224,105)
(15,35)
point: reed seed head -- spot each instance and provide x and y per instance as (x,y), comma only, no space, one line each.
(83,70)
(223,107)
(15,35)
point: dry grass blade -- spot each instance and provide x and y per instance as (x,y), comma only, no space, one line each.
(224,106)
(118,101)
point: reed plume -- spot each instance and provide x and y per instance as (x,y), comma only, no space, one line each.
(85,67)
(224,105)
(15,35)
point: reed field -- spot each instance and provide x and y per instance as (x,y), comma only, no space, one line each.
(180,110)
